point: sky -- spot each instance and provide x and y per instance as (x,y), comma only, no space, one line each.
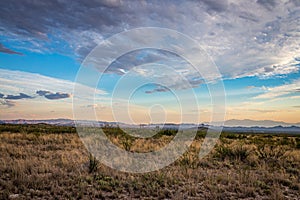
(255,46)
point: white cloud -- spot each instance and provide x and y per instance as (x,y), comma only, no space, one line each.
(278,91)
(16,82)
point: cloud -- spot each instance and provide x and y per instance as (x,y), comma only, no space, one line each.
(160,66)
(268,4)
(4,49)
(250,87)
(28,84)
(5,100)
(262,110)
(20,96)
(53,96)
(140,57)
(158,89)
(215,5)
(16,82)
(42,92)
(92,106)
(57,95)
(282,90)
(7,103)
(244,38)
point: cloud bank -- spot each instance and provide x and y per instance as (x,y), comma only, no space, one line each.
(244,38)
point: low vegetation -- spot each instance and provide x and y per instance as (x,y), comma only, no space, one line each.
(50,162)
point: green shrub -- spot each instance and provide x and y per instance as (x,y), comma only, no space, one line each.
(270,154)
(233,136)
(165,132)
(34,128)
(127,143)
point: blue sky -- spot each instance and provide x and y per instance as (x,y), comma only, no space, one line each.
(254,44)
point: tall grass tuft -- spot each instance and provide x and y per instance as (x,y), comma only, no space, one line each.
(232,153)
(93,163)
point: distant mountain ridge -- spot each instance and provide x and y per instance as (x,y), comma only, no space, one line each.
(257,123)
(228,123)
(246,126)
(62,122)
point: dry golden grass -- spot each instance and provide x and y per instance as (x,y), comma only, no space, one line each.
(57,166)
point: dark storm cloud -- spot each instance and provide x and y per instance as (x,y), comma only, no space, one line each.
(53,96)
(4,49)
(17,97)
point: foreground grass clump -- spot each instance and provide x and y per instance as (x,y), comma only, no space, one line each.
(39,162)
(239,152)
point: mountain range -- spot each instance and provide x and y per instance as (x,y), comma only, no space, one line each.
(260,123)
(228,123)
(246,125)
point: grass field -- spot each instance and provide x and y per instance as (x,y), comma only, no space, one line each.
(50,162)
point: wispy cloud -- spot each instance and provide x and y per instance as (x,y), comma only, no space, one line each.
(250,87)
(4,49)
(16,82)
(278,91)
(157,89)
